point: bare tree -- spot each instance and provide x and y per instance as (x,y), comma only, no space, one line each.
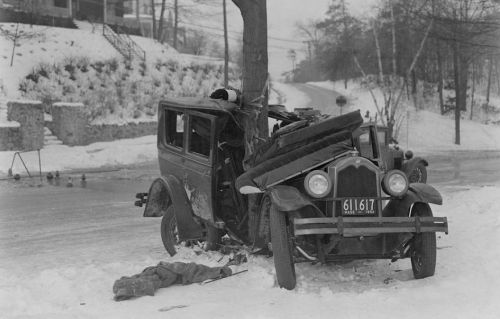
(159,33)
(464,25)
(390,85)
(226,45)
(153,16)
(197,43)
(17,36)
(176,23)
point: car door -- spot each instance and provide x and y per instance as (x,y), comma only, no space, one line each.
(198,162)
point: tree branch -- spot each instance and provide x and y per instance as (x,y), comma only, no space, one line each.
(379,111)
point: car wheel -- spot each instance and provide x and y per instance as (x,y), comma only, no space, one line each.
(282,246)
(418,174)
(169,233)
(423,247)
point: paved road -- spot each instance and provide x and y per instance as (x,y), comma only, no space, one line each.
(322,99)
(45,226)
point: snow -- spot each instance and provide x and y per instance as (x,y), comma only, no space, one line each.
(290,97)
(96,155)
(464,286)
(47,45)
(68,104)
(67,283)
(415,133)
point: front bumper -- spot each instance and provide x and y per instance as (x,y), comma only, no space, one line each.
(359,226)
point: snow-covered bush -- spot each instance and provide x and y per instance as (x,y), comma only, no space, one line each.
(120,89)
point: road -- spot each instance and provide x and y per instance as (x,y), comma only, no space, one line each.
(323,99)
(49,225)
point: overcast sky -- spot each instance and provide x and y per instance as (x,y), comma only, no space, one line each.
(282,18)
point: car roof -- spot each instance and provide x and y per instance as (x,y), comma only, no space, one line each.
(200,104)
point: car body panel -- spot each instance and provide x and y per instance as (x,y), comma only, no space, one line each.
(168,190)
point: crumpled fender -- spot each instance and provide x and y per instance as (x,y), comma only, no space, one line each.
(409,165)
(168,190)
(288,198)
(417,193)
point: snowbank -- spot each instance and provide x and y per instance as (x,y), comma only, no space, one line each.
(63,157)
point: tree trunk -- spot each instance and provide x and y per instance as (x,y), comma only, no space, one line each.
(456,68)
(160,23)
(153,15)
(464,81)
(255,81)
(176,23)
(498,77)
(488,88)
(473,90)
(440,78)
(226,47)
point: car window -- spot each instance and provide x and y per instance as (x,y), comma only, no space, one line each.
(174,125)
(199,135)
(381,137)
(365,145)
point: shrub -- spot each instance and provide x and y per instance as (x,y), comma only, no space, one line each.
(125,89)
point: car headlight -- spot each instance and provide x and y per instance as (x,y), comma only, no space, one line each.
(395,183)
(317,184)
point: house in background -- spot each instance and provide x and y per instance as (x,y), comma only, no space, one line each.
(92,10)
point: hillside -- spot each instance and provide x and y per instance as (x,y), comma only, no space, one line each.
(56,64)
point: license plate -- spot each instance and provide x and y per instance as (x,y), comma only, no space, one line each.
(358,207)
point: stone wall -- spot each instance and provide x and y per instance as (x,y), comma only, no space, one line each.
(10,138)
(29,114)
(69,123)
(71,126)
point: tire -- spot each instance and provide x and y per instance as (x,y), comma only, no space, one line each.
(418,174)
(282,245)
(423,247)
(169,235)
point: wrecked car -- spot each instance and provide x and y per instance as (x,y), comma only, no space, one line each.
(328,189)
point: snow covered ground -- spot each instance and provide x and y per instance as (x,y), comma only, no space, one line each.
(465,284)
(425,131)
(102,154)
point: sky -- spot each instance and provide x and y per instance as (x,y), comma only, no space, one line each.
(282,16)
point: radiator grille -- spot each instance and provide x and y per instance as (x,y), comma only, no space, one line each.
(355,181)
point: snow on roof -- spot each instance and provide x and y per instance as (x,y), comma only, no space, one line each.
(25,102)
(9,123)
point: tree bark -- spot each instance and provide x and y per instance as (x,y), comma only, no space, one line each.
(440,77)
(473,91)
(488,88)
(456,69)
(153,15)
(255,68)
(226,47)
(176,23)
(160,23)
(254,92)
